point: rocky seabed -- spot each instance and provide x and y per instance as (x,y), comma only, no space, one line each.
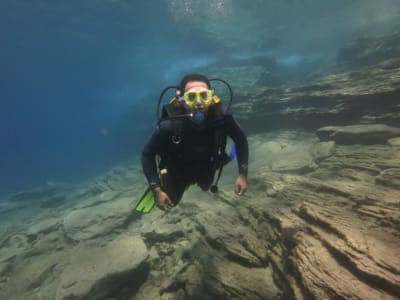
(321,218)
(320,221)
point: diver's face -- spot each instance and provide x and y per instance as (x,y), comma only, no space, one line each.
(198,90)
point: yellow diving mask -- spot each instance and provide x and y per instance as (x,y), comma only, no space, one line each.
(199,99)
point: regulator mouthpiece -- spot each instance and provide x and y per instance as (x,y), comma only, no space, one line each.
(198,116)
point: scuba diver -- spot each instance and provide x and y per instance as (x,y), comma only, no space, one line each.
(188,145)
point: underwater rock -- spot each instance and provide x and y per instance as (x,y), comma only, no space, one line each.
(242,73)
(280,153)
(93,221)
(394,142)
(53,242)
(268,78)
(240,245)
(93,200)
(322,150)
(9,207)
(337,243)
(334,100)
(370,50)
(33,277)
(44,226)
(332,233)
(249,283)
(93,189)
(12,245)
(389,177)
(4,268)
(121,178)
(221,256)
(341,234)
(293,162)
(168,233)
(38,193)
(358,134)
(243,76)
(97,271)
(53,202)
(336,239)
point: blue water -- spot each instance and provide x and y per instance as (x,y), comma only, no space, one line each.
(79,80)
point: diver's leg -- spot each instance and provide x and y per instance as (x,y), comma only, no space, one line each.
(206,178)
(173,185)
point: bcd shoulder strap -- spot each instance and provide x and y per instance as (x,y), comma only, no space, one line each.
(171,110)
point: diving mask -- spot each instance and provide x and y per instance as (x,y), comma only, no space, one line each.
(198,98)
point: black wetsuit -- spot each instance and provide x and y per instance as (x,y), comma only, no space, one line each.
(190,154)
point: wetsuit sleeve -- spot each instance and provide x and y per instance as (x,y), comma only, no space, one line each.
(149,159)
(242,147)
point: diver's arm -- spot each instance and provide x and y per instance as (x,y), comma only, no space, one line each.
(240,140)
(149,160)
(150,169)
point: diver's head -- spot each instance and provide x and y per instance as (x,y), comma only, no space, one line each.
(191,79)
(196,91)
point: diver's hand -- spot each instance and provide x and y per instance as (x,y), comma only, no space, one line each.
(162,199)
(241,184)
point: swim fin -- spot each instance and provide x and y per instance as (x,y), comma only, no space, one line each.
(146,203)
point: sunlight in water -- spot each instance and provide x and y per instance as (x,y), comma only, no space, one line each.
(183,9)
